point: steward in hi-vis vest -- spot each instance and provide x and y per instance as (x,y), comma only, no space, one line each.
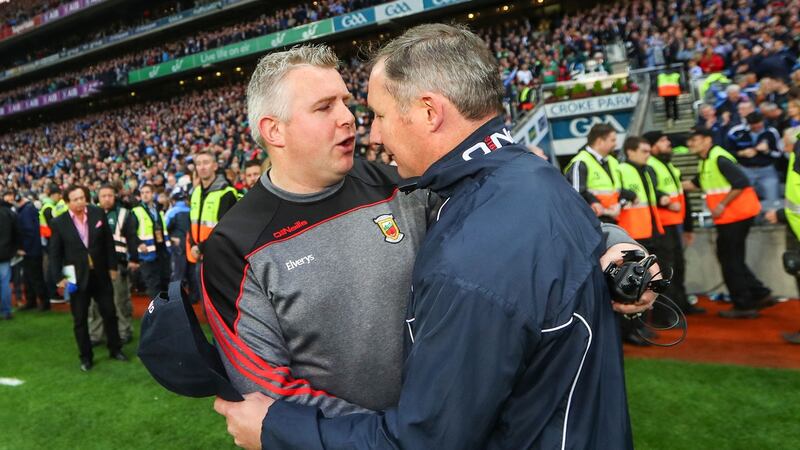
(52,206)
(669,88)
(124,236)
(640,218)
(210,200)
(790,215)
(676,218)
(669,84)
(152,242)
(733,204)
(49,212)
(594,174)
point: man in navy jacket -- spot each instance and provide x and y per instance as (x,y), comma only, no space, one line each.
(32,264)
(511,339)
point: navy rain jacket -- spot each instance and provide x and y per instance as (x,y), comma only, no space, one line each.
(511,339)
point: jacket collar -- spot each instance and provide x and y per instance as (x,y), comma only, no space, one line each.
(219,183)
(474,154)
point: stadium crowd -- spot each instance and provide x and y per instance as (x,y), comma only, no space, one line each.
(110,28)
(758,37)
(116,69)
(18,12)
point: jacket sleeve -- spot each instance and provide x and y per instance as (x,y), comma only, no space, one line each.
(247,332)
(131,239)
(16,233)
(108,241)
(576,176)
(688,221)
(55,250)
(615,234)
(627,195)
(48,217)
(226,203)
(733,173)
(775,143)
(654,178)
(455,380)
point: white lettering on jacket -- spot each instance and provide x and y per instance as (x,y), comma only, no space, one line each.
(293,264)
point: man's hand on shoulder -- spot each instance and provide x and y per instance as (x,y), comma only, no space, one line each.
(244,418)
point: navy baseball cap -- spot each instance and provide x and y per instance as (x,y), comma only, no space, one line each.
(175,351)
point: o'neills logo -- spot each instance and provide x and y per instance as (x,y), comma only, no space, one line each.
(490,143)
(290,229)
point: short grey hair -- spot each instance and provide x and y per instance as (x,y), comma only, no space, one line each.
(768,106)
(266,95)
(706,106)
(733,89)
(447,59)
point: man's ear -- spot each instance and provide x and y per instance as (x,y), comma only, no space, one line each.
(433,106)
(272,131)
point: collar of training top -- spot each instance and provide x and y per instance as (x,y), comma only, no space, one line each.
(469,157)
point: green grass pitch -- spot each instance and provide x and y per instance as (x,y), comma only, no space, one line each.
(674,405)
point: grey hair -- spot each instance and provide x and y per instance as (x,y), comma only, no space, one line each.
(733,88)
(768,106)
(266,95)
(447,59)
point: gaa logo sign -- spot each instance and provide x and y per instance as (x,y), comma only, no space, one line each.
(354,20)
(397,9)
(580,127)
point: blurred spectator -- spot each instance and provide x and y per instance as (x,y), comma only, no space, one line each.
(757,149)
(32,263)
(9,244)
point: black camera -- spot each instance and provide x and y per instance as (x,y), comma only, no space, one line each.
(628,281)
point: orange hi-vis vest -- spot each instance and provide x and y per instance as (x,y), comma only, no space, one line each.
(204,216)
(44,227)
(598,182)
(716,188)
(669,182)
(669,84)
(637,218)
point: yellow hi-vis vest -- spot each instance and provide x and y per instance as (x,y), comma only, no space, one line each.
(716,187)
(60,208)
(793,197)
(44,227)
(637,219)
(204,217)
(146,232)
(669,182)
(598,182)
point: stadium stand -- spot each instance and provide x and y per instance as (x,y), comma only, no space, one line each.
(533,48)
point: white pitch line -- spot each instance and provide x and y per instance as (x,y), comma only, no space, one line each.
(10,382)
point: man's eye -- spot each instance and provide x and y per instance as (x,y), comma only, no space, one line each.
(323,107)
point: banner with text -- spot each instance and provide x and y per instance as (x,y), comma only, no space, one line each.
(570,121)
(187,15)
(50,15)
(83,90)
(356,19)
(256,45)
